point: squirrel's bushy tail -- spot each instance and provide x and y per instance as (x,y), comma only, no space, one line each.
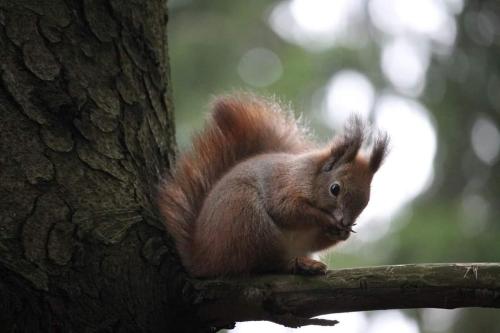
(239,127)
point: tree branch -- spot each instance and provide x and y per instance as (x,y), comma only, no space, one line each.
(291,300)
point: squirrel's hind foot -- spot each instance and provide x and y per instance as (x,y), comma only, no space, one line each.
(307,266)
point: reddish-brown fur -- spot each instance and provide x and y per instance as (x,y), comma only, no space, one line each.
(253,193)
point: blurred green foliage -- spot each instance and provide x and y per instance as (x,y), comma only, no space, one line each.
(207,41)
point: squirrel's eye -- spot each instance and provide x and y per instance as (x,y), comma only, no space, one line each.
(335,189)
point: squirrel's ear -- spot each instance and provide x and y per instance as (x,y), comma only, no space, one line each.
(379,151)
(346,147)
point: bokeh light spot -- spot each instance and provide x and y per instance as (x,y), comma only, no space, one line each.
(405,65)
(348,92)
(408,168)
(324,16)
(475,213)
(485,140)
(260,67)
(398,17)
(319,24)
(392,321)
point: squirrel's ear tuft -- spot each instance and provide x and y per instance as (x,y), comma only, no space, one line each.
(353,137)
(346,146)
(379,151)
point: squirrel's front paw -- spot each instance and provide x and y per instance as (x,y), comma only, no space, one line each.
(339,234)
(307,266)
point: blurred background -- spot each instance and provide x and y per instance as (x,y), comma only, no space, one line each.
(426,71)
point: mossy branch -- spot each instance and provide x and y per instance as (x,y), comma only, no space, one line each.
(293,300)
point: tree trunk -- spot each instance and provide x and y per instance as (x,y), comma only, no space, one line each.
(86,130)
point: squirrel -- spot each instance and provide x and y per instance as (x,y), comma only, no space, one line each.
(256,194)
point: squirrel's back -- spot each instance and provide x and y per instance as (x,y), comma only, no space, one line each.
(239,127)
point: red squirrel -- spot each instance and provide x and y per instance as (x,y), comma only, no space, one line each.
(256,194)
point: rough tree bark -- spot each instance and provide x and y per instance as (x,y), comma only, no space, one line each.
(85,130)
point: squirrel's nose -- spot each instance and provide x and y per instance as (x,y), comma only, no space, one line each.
(341,221)
(339,216)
